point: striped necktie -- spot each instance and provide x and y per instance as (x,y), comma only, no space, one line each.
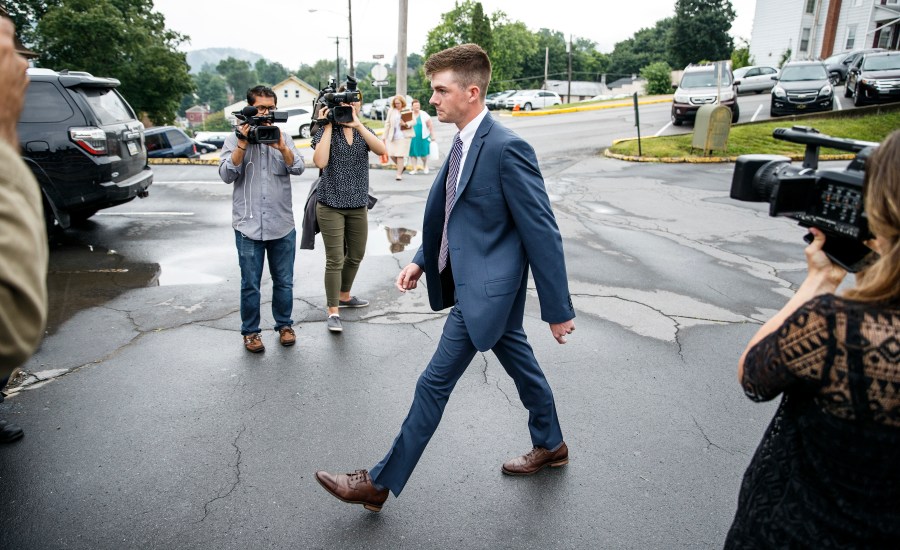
(452,176)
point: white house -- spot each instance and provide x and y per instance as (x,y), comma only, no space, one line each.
(815,29)
(291,92)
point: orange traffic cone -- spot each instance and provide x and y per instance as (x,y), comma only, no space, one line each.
(516,107)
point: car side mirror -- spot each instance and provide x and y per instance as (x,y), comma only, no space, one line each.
(674,86)
(737,82)
(775,77)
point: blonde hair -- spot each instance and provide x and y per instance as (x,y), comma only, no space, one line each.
(881,189)
(402,101)
(469,63)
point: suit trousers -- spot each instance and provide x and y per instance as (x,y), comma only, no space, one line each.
(453,355)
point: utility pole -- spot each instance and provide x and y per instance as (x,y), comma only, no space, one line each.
(401,48)
(350,70)
(546,64)
(337,58)
(569,95)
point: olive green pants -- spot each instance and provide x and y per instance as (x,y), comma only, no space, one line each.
(344,232)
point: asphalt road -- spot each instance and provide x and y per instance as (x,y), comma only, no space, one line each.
(148,425)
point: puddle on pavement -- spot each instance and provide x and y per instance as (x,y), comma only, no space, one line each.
(80,276)
(399,238)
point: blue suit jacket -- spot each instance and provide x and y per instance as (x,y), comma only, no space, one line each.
(501,224)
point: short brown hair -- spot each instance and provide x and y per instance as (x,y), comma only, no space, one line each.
(469,62)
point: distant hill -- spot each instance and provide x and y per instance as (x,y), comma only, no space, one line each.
(198,58)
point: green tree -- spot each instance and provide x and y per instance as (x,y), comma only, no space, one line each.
(740,57)
(480,33)
(211,90)
(137,49)
(270,74)
(700,31)
(646,46)
(659,78)
(455,28)
(26,13)
(519,46)
(239,76)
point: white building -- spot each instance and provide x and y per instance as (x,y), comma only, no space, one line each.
(816,29)
(291,92)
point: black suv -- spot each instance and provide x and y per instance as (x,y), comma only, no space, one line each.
(84,144)
(873,78)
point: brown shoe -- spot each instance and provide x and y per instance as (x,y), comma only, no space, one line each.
(253,343)
(355,488)
(536,460)
(286,336)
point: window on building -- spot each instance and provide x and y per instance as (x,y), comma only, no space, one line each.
(810,6)
(857,3)
(285,94)
(297,94)
(804,40)
(850,40)
(884,37)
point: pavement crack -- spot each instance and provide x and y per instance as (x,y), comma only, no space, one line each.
(708,442)
(237,476)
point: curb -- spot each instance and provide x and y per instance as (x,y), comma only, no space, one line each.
(596,107)
(701,160)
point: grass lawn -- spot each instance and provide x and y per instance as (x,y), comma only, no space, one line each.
(869,124)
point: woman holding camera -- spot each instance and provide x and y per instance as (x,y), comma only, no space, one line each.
(341,152)
(397,134)
(827,472)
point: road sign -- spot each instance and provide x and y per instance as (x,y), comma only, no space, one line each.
(379,83)
(379,72)
(378,56)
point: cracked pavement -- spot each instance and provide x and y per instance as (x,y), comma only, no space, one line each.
(148,426)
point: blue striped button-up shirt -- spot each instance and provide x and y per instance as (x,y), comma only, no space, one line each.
(261,200)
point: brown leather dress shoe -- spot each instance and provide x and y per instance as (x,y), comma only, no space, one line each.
(536,460)
(355,488)
(253,343)
(286,336)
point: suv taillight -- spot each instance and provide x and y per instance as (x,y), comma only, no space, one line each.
(92,140)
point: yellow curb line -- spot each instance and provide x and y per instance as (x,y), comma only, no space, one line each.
(590,107)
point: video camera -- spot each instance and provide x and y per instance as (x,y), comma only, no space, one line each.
(259,132)
(329,97)
(829,200)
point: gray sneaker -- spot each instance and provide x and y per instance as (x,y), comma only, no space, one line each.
(334,324)
(353,302)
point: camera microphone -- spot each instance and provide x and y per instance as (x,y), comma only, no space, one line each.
(249,111)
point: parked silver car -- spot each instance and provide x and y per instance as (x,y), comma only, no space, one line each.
(533,99)
(755,78)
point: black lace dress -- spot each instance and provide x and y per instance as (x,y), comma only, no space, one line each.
(827,472)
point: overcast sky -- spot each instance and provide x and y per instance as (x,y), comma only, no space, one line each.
(285,30)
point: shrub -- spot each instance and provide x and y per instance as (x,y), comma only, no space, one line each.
(659,78)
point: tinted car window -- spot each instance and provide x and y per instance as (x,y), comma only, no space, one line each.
(705,79)
(155,142)
(177,138)
(882,63)
(44,103)
(803,72)
(107,105)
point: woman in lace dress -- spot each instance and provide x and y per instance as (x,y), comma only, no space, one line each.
(827,472)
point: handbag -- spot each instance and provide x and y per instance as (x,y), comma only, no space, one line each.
(434,152)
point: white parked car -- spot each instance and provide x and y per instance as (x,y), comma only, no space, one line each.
(533,99)
(298,122)
(757,79)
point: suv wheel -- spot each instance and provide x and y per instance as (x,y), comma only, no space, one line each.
(527,106)
(735,114)
(304,131)
(858,99)
(847,92)
(677,122)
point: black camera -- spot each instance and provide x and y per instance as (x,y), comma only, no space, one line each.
(259,132)
(332,99)
(829,200)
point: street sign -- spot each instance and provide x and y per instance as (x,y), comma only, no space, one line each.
(379,83)
(378,56)
(379,72)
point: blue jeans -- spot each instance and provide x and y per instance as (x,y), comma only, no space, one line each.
(281,254)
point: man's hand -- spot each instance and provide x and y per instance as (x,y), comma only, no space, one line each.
(15,82)
(409,277)
(560,330)
(243,129)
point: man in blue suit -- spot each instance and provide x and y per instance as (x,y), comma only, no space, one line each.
(487,221)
